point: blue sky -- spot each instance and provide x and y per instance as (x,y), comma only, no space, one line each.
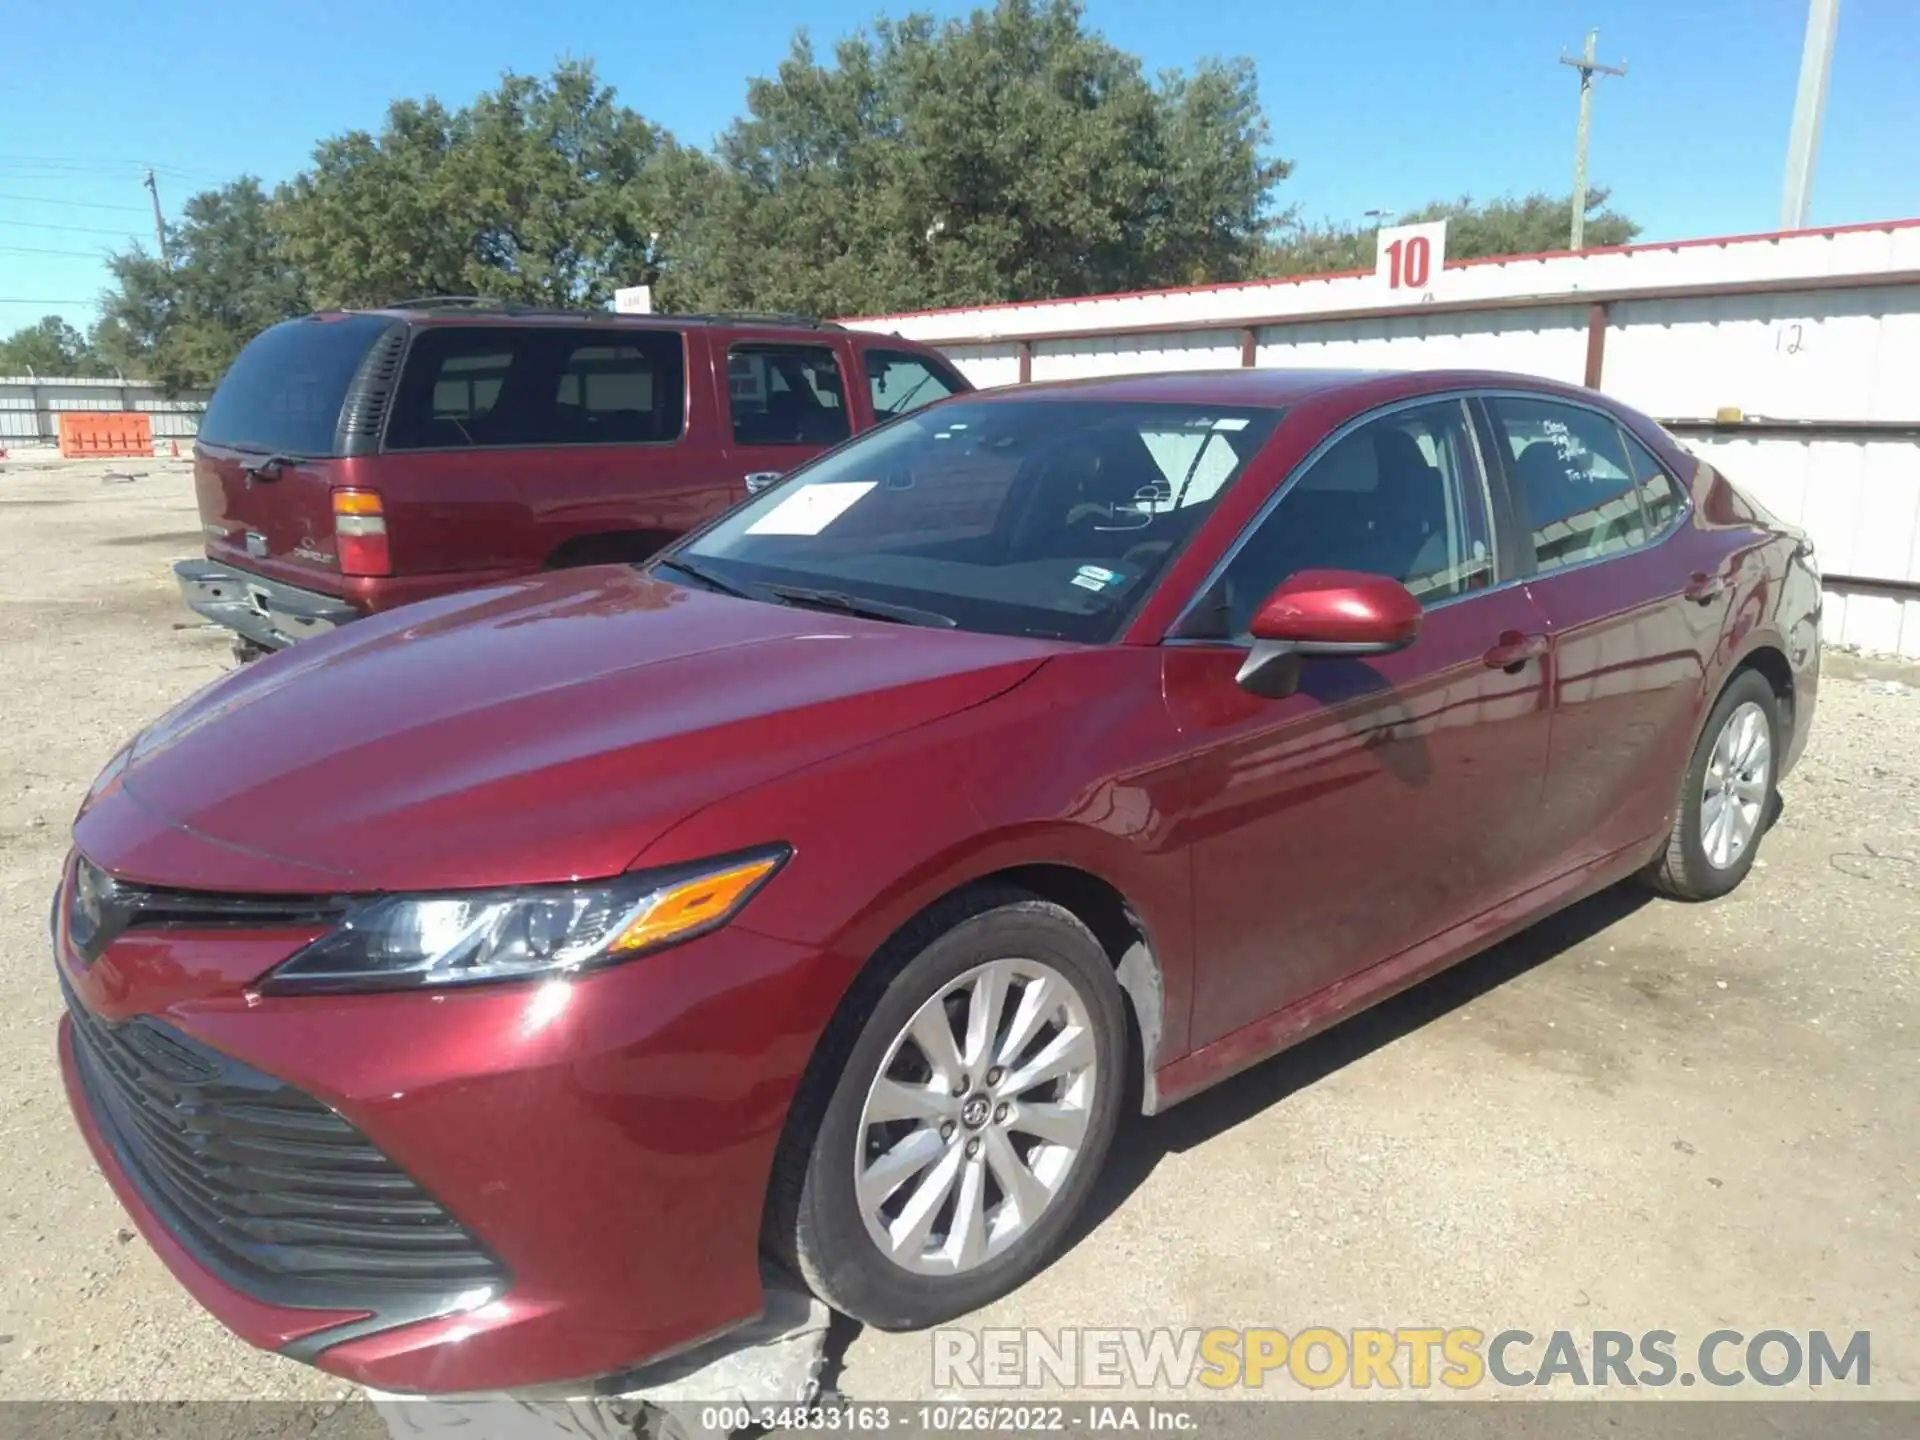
(1381,104)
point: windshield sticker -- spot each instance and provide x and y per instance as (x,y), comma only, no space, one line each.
(1095,577)
(1235,424)
(811,508)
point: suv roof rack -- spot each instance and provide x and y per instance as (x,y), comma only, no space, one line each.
(763,317)
(486,303)
(450,302)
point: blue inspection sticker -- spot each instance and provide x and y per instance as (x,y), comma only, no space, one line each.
(1095,577)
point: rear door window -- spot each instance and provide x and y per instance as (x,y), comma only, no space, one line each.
(1572,478)
(899,382)
(283,394)
(786,395)
(482,386)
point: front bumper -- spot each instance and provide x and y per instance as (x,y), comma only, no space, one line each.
(267,612)
(608,1138)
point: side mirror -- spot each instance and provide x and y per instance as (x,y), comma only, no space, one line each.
(1325,612)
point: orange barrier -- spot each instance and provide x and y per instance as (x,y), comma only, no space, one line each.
(88,434)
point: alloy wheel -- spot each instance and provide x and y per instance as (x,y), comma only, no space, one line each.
(977,1116)
(1733,794)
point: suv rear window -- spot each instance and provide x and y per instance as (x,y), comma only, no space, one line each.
(493,385)
(283,394)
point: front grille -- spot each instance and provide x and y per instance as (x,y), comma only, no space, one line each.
(102,907)
(277,1194)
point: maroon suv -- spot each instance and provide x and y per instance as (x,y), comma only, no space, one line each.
(354,461)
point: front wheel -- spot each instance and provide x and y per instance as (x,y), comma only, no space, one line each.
(1727,797)
(938,1163)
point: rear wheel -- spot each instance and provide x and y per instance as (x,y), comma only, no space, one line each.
(936,1162)
(1727,797)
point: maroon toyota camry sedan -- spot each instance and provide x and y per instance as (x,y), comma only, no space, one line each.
(469,998)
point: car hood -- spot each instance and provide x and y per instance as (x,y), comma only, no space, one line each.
(539,731)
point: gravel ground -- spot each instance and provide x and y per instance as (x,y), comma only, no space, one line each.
(1638,1115)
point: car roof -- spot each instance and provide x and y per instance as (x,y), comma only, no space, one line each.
(1273,388)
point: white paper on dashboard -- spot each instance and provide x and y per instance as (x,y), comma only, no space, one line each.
(811,508)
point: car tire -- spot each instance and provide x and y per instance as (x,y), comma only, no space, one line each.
(1712,846)
(980,1241)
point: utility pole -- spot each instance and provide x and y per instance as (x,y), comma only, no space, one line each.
(1588,67)
(159,225)
(1809,101)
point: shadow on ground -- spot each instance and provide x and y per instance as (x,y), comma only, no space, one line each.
(1143,1141)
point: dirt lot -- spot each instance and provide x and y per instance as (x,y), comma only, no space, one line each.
(1640,1115)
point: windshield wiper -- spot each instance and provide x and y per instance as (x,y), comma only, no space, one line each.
(853,605)
(812,599)
(705,576)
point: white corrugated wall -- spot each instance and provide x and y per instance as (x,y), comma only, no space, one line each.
(29,405)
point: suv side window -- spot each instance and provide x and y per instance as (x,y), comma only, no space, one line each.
(1401,495)
(1571,478)
(619,391)
(1659,491)
(899,382)
(786,395)
(480,386)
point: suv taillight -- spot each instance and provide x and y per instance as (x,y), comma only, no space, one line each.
(360,533)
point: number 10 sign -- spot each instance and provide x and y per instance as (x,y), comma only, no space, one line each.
(1410,256)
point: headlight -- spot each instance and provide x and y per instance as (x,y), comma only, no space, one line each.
(466,937)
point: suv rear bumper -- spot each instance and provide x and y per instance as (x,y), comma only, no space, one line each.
(264,611)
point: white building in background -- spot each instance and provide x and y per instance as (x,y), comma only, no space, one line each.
(1791,361)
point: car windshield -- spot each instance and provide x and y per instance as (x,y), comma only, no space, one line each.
(1040,517)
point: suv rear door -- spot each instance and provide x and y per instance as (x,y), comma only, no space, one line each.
(784,398)
(270,447)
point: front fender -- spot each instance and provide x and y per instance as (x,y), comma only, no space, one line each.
(883,832)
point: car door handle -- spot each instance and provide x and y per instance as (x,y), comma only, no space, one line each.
(759,480)
(1513,650)
(1703,588)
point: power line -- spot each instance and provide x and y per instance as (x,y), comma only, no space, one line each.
(42,250)
(56,167)
(71,229)
(88,162)
(75,204)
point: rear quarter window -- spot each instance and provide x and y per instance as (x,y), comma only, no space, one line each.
(481,386)
(284,392)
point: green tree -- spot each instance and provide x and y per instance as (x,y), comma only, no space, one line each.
(1530,225)
(50,347)
(1527,226)
(1325,248)
(540,191)
(1014,154)
(226,278)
